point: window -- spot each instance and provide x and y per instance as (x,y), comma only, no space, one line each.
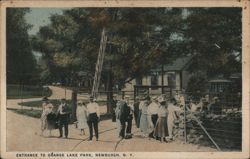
(138,81)
(154,79)
(171,80)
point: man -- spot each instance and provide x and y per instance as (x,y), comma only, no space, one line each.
(113,103)
(129,118)
(216,106)
(136,111)
(63,117)
(153,114)
(177,97)
(123,112)
(93,116)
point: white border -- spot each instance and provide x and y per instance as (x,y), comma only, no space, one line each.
(244,4)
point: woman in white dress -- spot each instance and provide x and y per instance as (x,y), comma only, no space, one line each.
(144,117)
(47,109)
(81,115)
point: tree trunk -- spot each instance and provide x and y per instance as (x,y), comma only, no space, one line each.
(162,78)
(110,91)
(74,105)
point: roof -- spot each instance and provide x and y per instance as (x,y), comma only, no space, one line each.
(177,65)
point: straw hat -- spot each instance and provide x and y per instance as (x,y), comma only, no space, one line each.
(161,99)
(154,97)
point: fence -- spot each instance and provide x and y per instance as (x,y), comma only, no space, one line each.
(221,131)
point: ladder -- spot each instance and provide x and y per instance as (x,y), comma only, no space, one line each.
(98,68)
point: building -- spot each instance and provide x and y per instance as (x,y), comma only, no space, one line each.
(175,76)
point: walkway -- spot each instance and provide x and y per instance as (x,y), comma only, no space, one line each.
(23,130)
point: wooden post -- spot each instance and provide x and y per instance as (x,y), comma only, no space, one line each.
(185,130)
(162,78)
(134,93)
(74,105)
(199,123)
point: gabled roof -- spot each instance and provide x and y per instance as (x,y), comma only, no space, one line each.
(177,65)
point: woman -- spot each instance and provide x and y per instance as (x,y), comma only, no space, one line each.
(173,110)
(47,117)
(81,115)
(144,117)
(161,128)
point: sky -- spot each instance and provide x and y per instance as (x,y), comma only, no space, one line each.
(39,17)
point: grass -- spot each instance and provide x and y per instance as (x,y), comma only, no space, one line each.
(27,91)
(38,103)
(31,113)
(55,102)
(37,113)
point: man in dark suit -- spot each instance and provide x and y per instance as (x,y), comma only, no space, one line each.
(63,117)
(123,114)
(136,111)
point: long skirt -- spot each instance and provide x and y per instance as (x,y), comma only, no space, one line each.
(118,127)
(138,119)
(51,121)
(44,122)
(144,123)
(82,121)
(161,128)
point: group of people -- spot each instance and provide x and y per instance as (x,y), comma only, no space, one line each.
(51,119)
(153,116)
(88,116)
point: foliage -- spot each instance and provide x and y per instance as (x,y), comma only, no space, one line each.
(26,91)
(197,84)
(132,39)
(214,36)
(21,65)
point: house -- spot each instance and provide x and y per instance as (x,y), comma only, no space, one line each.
(175,76)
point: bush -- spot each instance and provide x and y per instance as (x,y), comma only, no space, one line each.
(31,113)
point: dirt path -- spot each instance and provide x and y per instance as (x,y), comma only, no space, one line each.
(24,136)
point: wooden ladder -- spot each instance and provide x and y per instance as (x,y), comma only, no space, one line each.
(98,68)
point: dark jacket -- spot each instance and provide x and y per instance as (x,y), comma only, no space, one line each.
(64,118)
(124,110)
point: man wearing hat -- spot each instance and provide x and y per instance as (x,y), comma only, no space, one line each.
(136,111)
(113,104)
(216,106)
(63,117)
(129,117)
(93,114)
(152,114)
(123,112)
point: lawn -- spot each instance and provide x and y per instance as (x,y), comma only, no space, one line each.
(37,113)
(27,91)
(31,113)
(55,102)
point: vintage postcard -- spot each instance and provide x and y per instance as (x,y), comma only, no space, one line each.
(125,79)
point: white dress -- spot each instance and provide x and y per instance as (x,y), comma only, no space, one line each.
(47,108)
(81,115)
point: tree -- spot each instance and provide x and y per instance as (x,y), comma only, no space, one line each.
(214,36)
(71,42)
(21,64)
